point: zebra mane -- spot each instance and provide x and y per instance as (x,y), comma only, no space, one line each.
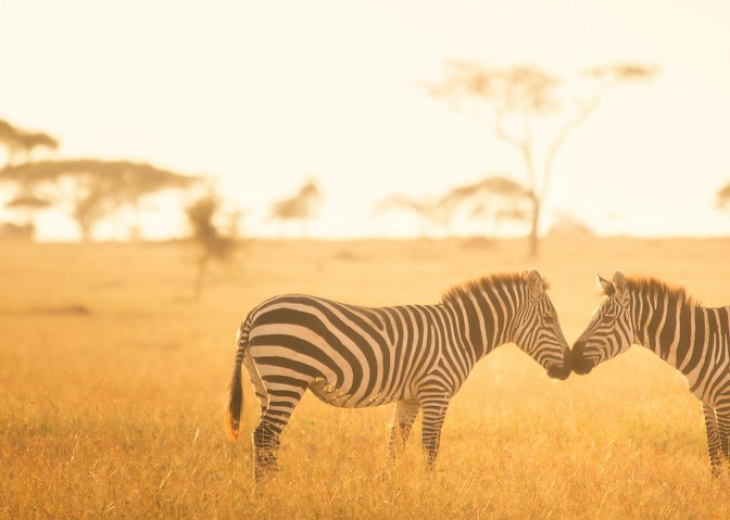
(663,291)
(486,282)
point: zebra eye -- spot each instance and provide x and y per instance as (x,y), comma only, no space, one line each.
(608,319)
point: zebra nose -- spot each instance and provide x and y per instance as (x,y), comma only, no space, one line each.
(578,348)
(568,359)
(581,365)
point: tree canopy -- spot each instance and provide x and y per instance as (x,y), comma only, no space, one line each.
(301,206)
(723,197)
(511,100)
(214,245)
(93,188)
(18,141)
(495,197)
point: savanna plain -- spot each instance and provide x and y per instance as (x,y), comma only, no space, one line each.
(113,383)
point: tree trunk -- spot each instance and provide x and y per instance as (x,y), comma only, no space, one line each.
(534,229)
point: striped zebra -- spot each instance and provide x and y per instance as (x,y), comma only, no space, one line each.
(667,321)
(416,356)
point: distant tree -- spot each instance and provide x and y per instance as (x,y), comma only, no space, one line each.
(495,198)
(21,143)
(301,206)
(722,200)
(569,226)
(427,211)
(89,189)
(10,230)
(28,206)
(511,101)
(213,244)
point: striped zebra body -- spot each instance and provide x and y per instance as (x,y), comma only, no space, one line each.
(417,356)
(358,356)
(693,339)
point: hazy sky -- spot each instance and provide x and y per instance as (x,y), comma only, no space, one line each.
(262,95)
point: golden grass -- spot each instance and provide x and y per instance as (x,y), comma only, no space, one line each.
(112,390)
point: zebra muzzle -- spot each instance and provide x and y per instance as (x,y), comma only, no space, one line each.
(562,372)
(559,372)
(581,364)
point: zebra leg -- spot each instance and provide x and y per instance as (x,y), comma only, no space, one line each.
(283,394)
(713,437)
(265,445)
(723,422)
(434,411)
(256,382)
(403,419)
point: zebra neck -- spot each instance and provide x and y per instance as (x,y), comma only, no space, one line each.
(674,330)
(483,321)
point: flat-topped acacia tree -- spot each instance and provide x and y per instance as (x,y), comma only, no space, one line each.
(19,142)
(89,189)
(513,101)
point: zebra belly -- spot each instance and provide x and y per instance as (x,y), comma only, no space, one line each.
(705,388)
(329,393)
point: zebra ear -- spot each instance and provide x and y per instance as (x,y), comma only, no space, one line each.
(619,281)
(534,285)
(605,286)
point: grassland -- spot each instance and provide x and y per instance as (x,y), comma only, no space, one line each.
(112,384)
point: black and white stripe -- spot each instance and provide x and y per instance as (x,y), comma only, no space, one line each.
(416,356)
(691,338)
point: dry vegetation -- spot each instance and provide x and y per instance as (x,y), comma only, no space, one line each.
(112,384)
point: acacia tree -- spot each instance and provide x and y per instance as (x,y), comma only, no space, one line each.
(213,244)
(427,211)
(21,143)
(28,206)
(89,189)
(301,206)
(495,197)
(722,200)
(512,101)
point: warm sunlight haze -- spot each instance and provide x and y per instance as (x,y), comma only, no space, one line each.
(261,96)
(392,259)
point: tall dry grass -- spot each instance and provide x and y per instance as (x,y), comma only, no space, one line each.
(112,386)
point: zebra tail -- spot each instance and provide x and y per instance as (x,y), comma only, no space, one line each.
(235,388)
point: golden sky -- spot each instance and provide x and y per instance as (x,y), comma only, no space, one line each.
(263,95)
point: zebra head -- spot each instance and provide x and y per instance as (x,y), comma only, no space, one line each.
(610,331)
(537,330)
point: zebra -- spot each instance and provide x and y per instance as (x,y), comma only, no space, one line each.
(666,320)
(416,356)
